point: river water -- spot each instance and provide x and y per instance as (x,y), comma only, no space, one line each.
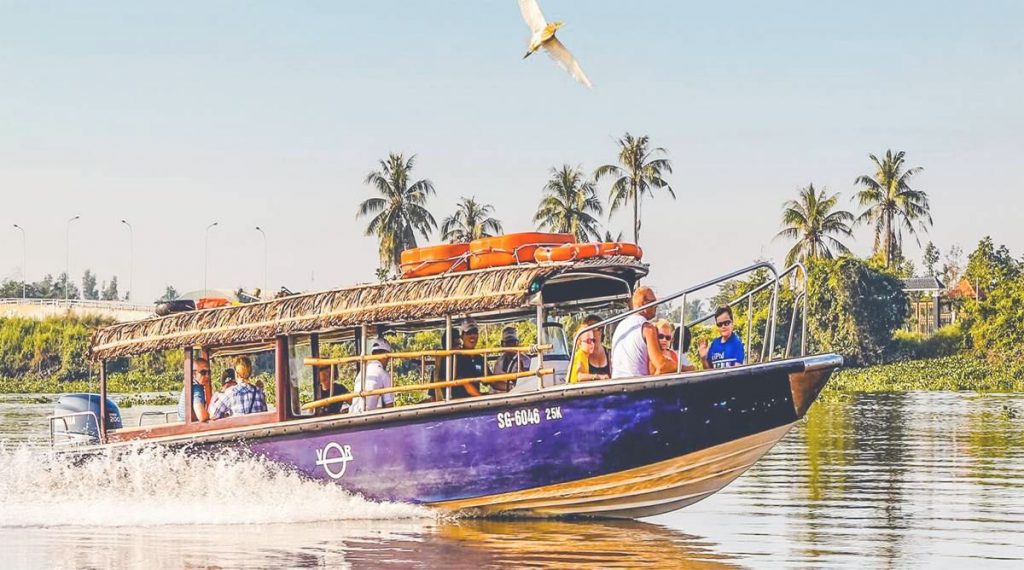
(925,480)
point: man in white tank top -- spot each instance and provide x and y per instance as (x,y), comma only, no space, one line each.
(635,342)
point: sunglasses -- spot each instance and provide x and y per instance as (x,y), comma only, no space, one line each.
(724,323)
(471,332)
(664,336)
(589,341)
(204,372)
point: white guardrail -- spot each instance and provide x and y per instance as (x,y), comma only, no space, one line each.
(78,304)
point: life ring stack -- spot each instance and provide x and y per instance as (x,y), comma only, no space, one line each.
(505,250)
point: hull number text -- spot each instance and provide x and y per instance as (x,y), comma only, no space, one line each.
(528,416)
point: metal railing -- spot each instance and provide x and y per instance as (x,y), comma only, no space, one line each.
(165,415)
(774,282)
(72,438)
(78,303)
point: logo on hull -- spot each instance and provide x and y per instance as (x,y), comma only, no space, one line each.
(331,455)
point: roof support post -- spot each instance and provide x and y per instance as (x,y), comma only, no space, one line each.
(102,420)
(314,352)
(187,387)
(542,340)
(282,381)
(449,361)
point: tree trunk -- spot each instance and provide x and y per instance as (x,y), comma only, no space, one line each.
(636,214)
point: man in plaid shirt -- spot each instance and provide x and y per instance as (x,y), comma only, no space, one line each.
(241,399)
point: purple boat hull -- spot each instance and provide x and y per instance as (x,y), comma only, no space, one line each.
(617,448)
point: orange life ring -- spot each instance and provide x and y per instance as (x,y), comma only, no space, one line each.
(434,260)
(567,252)
(610,248)
(511,248)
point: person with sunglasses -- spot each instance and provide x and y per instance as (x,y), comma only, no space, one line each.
(664,330)
(583,369)
(726,350)
(201,391)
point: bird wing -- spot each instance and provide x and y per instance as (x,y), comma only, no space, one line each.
(532,15)
(561,55)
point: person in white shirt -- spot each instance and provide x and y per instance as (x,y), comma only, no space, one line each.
(635,348)
(376,377)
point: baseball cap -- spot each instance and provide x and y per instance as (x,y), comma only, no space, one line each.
(379,344)
(469,326)
(509,334)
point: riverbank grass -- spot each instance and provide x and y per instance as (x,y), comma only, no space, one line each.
(950,373)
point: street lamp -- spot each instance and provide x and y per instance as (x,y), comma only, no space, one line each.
(206,254)
(24,262)
(131,258)
(67,257)
(265,257)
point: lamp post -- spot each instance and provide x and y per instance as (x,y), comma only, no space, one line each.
(206,254)
(24,263)
(265,257)
(131,258)
(67,257)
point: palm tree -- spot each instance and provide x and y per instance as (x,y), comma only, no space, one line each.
(471,220)
(569,201)
(400,211)
(813,221)
(637,173)
(892,205)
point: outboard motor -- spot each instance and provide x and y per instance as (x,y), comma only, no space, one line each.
(77,425)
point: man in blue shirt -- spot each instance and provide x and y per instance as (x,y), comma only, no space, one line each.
(200,391)
(725,351)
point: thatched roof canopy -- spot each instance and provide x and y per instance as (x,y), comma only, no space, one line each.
(395,301)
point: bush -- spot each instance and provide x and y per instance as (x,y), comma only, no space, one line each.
(952,373)
(853,309)
(947,341)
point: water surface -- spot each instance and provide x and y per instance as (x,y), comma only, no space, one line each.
(885,480)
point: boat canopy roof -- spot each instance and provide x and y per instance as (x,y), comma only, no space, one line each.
(407,303)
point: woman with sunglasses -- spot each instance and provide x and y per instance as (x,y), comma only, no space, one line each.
(583,366)
(664,329)
(725,351)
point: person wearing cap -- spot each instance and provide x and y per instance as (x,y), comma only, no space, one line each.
(227,380)
(375,377)
(329,389)
(510,361)
(468,366)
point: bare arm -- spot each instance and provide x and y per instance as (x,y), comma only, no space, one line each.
(657,358)
(200,410)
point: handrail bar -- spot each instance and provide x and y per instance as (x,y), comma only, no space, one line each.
(423,353)
(156,413)
(426,386)
(672,297)
(64,419)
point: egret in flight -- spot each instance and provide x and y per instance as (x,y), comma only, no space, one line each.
(544,37)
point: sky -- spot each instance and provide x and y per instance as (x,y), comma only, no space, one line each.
(173,116)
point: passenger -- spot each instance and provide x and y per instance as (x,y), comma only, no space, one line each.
(725,351)
(227,380)
(583,368)
(200,391)
(441,366)
(635,345)
(509,362)
(468,366)
(329,389)
(682,344)
(600,355)
(376,378)
(665,330)
(243,398)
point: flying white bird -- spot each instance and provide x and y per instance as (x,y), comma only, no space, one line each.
(544,37)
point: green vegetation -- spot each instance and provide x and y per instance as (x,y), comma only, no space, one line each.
(891,205)
(569,204)
(951,373)
(812,221)
(638,173)
(471,220)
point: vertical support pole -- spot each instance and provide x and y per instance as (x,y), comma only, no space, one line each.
(772,317)
(314,352)
(102,420)
(750,319)
(282,377)
(682,323)
(803,322)
(187,388)
(542,339)
(938,313)
(449,361)
(364,345)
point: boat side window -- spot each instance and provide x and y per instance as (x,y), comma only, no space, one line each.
(300,376)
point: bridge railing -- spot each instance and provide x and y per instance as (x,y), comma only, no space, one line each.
(78,304)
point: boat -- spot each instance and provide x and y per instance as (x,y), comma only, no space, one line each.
(619,448)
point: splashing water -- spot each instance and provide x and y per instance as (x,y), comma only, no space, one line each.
(150,486)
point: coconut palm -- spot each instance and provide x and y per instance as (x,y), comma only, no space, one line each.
(637,173)
(471,220)
(569,204)
(892,205)
(400,210)
(813,222)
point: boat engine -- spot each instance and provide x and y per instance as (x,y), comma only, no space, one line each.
(75,417)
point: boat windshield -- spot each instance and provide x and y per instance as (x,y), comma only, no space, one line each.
(554,335)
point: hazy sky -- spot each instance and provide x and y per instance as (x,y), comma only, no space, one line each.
(175,115)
